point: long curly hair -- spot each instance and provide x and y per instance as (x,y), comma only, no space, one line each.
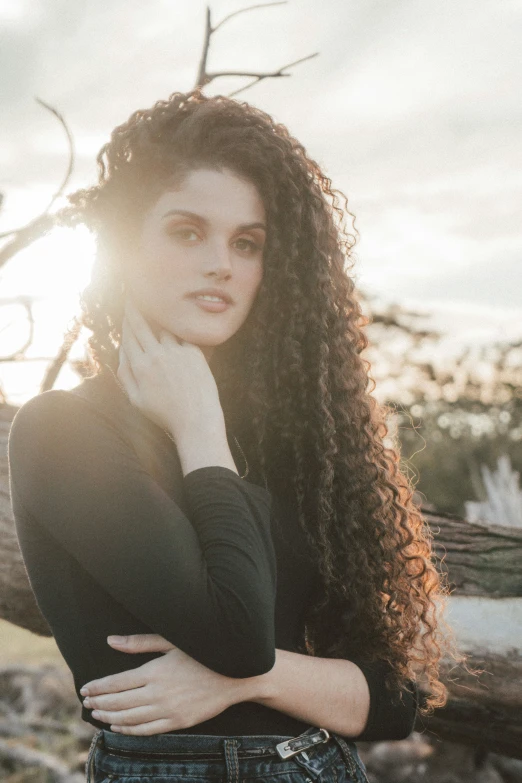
(292,382)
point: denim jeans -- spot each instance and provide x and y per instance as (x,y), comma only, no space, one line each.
(204,758)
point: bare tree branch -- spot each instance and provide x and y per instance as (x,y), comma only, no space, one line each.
(55,366)
(245,73)
(204,77)
(25,301)
(25,236)
(201,77)
(259,77)
(65,180)
(242,10)
(70,141)
(36,228)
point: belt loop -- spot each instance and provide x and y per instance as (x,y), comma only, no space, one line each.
(231,759)
(303,759)
(351,762)
(89,764)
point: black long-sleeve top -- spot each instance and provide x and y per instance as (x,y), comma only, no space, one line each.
(116,540)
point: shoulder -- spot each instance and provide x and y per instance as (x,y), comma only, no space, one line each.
(97,394)
(48,407)
(42,427)
(52,419)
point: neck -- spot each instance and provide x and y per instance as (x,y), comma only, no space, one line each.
(208,351)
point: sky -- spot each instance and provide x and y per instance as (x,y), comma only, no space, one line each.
(412,108)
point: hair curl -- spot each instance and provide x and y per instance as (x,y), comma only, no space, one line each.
(292,380)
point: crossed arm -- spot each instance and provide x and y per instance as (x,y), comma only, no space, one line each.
(175,691)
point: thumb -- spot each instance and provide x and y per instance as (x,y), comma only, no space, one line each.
(140,643)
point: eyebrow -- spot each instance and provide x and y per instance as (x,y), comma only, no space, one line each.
(186,213)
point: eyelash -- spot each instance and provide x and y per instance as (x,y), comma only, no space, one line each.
(254,246)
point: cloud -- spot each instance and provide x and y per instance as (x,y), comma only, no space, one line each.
(412,108)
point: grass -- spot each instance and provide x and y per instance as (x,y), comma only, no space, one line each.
(17,645)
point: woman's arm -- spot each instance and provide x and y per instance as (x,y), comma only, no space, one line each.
(206,581)
(337,694)
(327,692)
(172,692)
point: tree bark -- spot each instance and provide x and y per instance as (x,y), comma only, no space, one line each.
(479,559)
(483,711)
(17,601)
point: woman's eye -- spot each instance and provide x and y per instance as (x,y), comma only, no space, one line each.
(182,232)
(250,246)
(187,234)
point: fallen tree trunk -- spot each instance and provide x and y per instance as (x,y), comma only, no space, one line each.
(484,710)
(17,602)
(479,559)
(483,564)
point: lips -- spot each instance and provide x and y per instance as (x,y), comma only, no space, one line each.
(212,292)
(211,306)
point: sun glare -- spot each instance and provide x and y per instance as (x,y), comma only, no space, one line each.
(57,266)
(49,275)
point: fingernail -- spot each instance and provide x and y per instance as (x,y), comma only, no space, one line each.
(84,691)
(116,639)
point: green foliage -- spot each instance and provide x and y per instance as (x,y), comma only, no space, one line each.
(443,445)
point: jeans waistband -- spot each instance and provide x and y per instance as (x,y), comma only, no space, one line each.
(162,747)
(200,745)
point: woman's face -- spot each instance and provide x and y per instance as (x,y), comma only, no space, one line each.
(207,234)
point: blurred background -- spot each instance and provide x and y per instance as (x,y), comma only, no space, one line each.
(413,109)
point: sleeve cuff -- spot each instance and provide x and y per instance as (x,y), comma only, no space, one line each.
(390,717)
(208,472)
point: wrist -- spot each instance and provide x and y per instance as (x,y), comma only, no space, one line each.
(264,688)
(203,447)
(211,430)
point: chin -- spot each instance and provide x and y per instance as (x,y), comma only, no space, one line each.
(206,340)
(202,337)
(209,336)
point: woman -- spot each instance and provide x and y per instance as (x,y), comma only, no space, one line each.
(219,491)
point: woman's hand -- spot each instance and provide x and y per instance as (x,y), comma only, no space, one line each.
(168,380)
(171,692)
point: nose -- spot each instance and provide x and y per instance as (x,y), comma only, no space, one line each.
(217,261)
